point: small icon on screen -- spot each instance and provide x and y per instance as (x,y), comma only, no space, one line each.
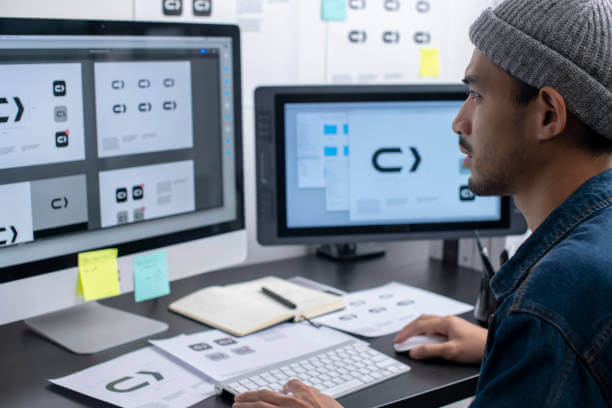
(60,113)
(172,7)
(122,217)
(61,138)
(202,7)
(139,214)
(465,194)
(121,194)
(59,88)
(138,192)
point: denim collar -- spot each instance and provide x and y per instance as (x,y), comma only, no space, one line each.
(594,195)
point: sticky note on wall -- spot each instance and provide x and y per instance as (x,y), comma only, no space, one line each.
(98,274)
(333,10)
(430,62)
(151,276)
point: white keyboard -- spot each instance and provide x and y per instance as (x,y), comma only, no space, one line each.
(335,371)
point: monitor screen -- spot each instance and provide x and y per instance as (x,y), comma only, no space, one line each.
(115,134)
(368,163)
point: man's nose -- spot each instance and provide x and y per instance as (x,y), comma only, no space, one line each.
(461,124)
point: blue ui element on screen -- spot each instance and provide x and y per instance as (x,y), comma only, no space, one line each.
(330,129)
(402,167)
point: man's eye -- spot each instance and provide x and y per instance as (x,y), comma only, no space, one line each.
(474,95)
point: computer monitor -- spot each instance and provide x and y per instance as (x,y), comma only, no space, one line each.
(115,135)
(347,164)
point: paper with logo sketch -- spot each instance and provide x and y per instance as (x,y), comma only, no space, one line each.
(142,378)
(387,309)
(221,356)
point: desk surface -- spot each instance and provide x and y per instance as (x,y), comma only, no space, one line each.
(27,360)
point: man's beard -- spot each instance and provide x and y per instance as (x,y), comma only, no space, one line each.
(497,173)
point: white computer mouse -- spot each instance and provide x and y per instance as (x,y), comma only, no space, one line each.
(420,340)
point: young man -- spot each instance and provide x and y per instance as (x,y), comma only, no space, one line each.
(537,125)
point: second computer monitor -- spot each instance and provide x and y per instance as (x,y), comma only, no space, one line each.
(367,163)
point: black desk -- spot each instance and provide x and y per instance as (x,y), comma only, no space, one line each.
(27,360)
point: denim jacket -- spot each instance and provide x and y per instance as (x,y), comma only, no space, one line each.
(550,340)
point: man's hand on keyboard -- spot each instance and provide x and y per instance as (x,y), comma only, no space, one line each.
(466,341)
(297,395)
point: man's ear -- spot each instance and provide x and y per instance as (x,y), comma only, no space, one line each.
(552,114)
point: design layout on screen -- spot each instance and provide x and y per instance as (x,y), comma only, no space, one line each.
(372,163)
(93,137)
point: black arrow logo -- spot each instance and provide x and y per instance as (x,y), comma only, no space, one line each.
(19,109)
(2,229)
(3,119)
(417,159)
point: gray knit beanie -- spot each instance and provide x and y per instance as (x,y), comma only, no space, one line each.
(565,44)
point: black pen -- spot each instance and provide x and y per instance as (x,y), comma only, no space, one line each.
(503,257)
(278,298)
(486,262)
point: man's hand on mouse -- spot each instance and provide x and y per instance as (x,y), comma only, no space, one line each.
(466,341)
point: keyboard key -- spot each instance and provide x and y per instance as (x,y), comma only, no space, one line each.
(240,389)
(342,388)
(385,363)
(366,379)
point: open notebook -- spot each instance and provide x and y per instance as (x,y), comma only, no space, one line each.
(242,308)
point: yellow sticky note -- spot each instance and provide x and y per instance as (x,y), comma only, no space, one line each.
(430,62)
(98,274)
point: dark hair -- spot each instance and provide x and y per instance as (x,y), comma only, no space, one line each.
(592,142)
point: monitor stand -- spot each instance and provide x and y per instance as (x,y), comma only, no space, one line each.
(92,327)
(350,252)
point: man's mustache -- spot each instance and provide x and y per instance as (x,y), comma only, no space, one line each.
(465,145)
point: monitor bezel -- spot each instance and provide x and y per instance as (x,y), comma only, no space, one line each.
(272,211)
(27,26)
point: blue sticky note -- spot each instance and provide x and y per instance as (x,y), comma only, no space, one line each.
(333,10)
(151,276)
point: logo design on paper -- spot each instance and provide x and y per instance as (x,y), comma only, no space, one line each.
(243,350)
(357,36)
(113,386)
(59,203)
(119,108)
(118,84)
(199,347)
(217,356)
(391,37)
(226,341)
(357,4)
